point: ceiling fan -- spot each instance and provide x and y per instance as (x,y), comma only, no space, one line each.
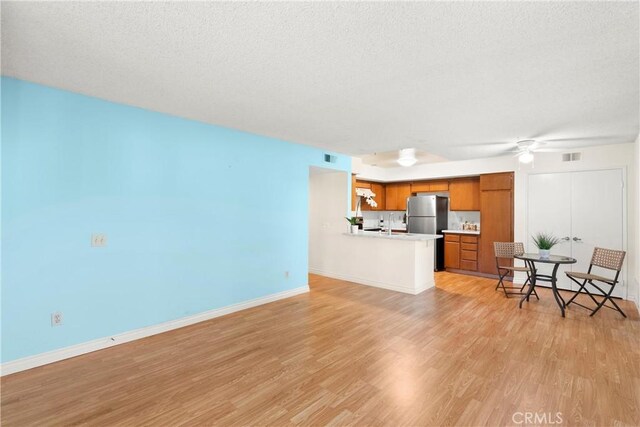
(524,149)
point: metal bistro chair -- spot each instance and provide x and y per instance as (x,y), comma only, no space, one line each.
(605,258)
(508,250)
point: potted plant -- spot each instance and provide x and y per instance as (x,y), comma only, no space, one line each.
(354,223)
(544,242)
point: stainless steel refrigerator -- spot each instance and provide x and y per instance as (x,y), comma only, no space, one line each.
(429,215)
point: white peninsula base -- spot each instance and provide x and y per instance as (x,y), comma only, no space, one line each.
(400,262)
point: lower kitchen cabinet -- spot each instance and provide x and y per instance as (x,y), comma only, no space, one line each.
(461,252)
(469,253)
(451,252)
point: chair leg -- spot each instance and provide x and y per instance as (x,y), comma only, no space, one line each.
(582,285)
(504,289)
(499,281)
(607,297)
(511,290)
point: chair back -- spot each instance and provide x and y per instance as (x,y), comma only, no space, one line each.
(608,258)
(508,249)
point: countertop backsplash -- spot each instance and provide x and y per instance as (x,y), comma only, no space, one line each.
(457,218)
(371,219)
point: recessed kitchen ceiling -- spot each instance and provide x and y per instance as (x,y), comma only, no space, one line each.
(389,159)
(448,78)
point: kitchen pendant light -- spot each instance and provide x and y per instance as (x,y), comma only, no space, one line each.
(407,157)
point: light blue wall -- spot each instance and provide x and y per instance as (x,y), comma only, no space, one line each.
(197,217)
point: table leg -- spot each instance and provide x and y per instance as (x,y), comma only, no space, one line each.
(554,288)
(532,281)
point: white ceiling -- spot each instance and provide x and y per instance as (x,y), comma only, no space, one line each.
(356,78)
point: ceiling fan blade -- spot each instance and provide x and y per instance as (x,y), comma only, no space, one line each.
(588,138)
(485,144)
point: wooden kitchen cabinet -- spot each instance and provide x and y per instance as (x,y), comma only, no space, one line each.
(451,251)
(355,183)
(430,186)
(420,187)
(440,185)
(404,192)
(379,190)
(396,196)
(464,194)
(496,214)
(461,252)
(391,196)
(496,181)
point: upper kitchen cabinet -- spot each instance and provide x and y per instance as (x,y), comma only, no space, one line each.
(496,215)
(377,188)
(464,194)
(441,185)
(429,186)
(357,184)
(396,196)
(496,181)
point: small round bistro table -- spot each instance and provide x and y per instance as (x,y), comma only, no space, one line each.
(531,260)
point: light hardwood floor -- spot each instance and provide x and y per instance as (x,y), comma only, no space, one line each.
(459,354)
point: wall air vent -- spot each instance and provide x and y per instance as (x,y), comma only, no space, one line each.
(571,157)
(328,158)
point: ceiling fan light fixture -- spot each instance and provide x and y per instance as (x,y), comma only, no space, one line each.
(526,157)
(407,157)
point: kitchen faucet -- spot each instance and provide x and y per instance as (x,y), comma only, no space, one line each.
(389,224)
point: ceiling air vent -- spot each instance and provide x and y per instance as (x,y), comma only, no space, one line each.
(329,158)
(571,157)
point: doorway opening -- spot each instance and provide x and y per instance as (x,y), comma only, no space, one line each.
(328,206)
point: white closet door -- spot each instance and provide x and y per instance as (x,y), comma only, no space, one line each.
(549,211)
(597,219)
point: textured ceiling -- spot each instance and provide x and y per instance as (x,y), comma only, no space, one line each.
(444,77)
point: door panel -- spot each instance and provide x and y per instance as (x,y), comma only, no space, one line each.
(452,255)
(496,212)
(422,206)
(596,204)
(404,192)
(422,224)
(549,211)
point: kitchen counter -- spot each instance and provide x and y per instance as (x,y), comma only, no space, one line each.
(401,262)
(471,232)
(395,236)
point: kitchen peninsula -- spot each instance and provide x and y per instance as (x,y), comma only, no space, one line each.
(401,262)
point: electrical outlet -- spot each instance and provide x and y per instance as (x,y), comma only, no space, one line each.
(286,274)
(98,240)
(56,318)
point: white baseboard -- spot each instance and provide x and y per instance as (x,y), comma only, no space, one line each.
(374,283)
(101,343)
